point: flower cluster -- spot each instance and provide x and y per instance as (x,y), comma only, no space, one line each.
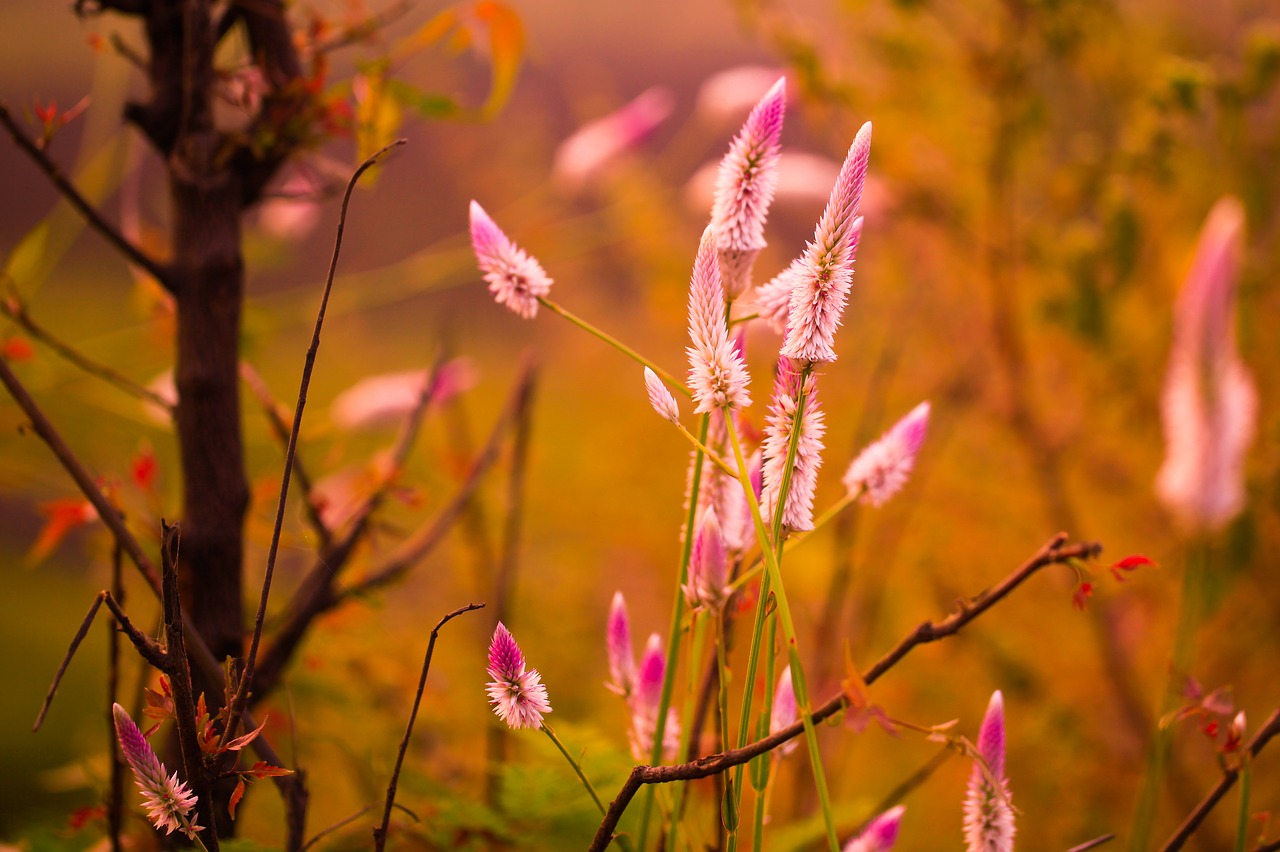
(518,695)
(169,802)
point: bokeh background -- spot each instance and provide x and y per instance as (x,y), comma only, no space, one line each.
(1040,172)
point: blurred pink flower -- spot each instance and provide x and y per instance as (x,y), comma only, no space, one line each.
(386,399)
(881,470)
(798,510)
(708,564)
(644,705)
(515,279)
(518,696)
(726,95)
(168,802)
(1209,403)
(622,663)
(660,397)
(717,375)
(784,713)
(988,815)
(735,512)
(880,834)
(294,211)
(597,145)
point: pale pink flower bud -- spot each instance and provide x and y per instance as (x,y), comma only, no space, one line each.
(780,421)
(988,814)
(820,294)
(622,663)
(388,398)
(717,375)
(168,802)
(882,469)
(644,705)
(744,189)
(518,696)
(708,564)
(596,146)
(1209,403)
(784,713)
(880,834)
(515,279)
(662,400)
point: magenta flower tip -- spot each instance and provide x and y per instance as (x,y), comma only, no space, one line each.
(784,713)
(991,735)
(988,813)
(515,279)
(882,469)
(662,400)
(646,701)
(622,663)
(708,564)
(518,695)
(881,833)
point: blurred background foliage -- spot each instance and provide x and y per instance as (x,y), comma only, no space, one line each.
(1041,169)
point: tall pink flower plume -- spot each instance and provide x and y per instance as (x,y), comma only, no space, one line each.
(597,146)
(717,375)
(1209,403)
(779,422)
(882,469)
(168,802)
(515,279)
(708,564)
(518,696)
(820,294)
(880,834)
(644,705)
(622,662)
(745,185)
(662,400)
(784,713)
(988,815)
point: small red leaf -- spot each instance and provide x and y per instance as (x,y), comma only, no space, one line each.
(262,769)
(236,795)
(242,741)
(18,349)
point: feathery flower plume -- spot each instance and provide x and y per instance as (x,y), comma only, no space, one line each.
(745,185)
(708,564)
(1209,403)
(515,279)
(882,468)
(662,400)
(988,816)
(798,510)
(596,146)
(168,802)
(644,705)
(819,297)
(784,713)
(717,375)
(622,663)
(880,834)
(518,696)
(773,300)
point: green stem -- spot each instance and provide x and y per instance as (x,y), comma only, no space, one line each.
(711,454)
(729,808)
(757,565)
(763,765)
(595,797)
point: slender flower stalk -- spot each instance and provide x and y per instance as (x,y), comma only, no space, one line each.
(515,279)
(988,815)
(717,375)
(169,803)
(882,469)
(745,185)
(662,400)
(517,694)
(622,662)
(822,288)
(880,834)
(797,513)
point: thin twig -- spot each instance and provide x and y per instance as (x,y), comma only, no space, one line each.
(115,794)
(246,679)
(337,825)
(1093,844)
(380,833)
(90,213)
(913,781)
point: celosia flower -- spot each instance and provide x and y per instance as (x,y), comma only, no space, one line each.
(708,564)
(820,294)
(622,663)
(744,189)
(1209,403)
(518,696)
(773,300)
(735,513)
(662,400)
(515,279)
(644,705)
(717,375)
(784,713)
(880,834)
(596,146)
(168,802)
(882,468)
(988,815)
(780,420)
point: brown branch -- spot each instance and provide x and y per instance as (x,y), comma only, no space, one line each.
(324,832)
(111,233)
(1054,552)
(1256,744)
(1093,844)
(380,833)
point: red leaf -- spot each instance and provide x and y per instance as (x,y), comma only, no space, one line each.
(81,817)
(143,468)
(242,741)
(236,796)
(1081,596)
(64,515)
(262,769)
(18,349)
(1129,563)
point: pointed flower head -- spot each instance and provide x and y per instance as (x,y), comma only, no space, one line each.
(622,662)
(784,713)
(708,564)
(820,294)
(881,470)
(662,400)
(988,815)
(515,279)
(780,421)
(1209,401)
(880,834)
(518,696)
(168,802)
(745,185)
(717,375)
(645,701)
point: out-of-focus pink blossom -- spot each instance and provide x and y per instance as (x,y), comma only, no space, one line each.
(780,421)
(294,212)
(988,813)
(166,388)
(735,512)
(644,705)
(386,399)
(1209,403)
(708,564)
(717,375)
(784,713)
(882,469)
(726,95)
(880,834)
(515,279)
(622,663)
(518,696)
(594,147)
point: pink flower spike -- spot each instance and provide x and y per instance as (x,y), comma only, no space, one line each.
(880,834)
(784,710)
(596,147)
(820,294)
(622,663)
(1209,404)
(515,279)
(708,564)
(745,186)
(988,815)
(717,375)
(882,469)
(662,400)
(168,802)
(519,697)
(779,421)
(645,701)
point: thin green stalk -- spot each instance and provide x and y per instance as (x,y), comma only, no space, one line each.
(671,380)
(711,454)
(595,797)
(729,809)
(1246,783)
(757,565)
(699,630)
(764,764)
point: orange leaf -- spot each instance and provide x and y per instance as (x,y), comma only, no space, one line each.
(506,51)
(261,769)
(64,515)
(242,741)
(18,349)
(236,795)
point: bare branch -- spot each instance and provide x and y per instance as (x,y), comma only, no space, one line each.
(1093,844)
